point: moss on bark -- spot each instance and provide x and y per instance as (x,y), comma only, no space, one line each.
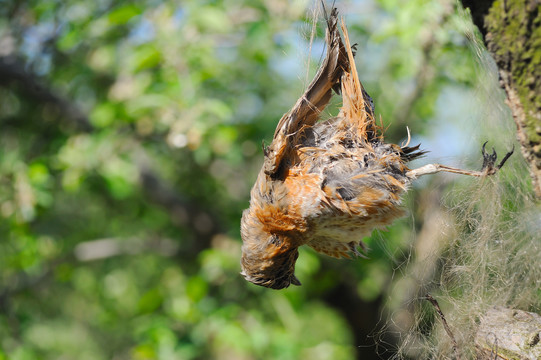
(514,38)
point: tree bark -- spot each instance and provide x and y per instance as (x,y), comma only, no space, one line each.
(512,34)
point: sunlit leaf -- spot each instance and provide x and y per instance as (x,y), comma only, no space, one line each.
(123,14)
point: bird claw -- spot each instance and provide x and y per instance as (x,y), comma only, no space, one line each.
(354,49)
(489,160)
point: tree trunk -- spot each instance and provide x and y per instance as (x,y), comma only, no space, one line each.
(512,34)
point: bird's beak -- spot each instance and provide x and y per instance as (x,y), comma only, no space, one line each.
(295,281)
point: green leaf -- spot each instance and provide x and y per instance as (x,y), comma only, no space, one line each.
(103,115)
(38,173)
(196,288)
(145,57)
(150,301)
(69,40)
(123,14)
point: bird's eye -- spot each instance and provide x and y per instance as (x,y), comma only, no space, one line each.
(275,240)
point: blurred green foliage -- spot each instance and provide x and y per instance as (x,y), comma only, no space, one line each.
(130,137)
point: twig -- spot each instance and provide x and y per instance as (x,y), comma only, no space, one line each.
(494,348)
(434,302)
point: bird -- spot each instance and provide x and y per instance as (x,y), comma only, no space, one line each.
(327,184)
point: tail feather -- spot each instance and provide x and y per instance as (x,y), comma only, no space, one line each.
(357,106)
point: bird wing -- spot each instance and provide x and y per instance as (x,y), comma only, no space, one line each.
(306,110)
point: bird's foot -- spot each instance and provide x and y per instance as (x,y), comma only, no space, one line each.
(489,160)
(489,167)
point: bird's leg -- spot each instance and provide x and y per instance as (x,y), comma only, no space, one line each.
(489,167)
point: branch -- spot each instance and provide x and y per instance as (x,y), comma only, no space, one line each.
(434,303)
(13,73)
(105,248)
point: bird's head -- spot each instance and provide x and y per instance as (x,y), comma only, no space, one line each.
(268,259)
